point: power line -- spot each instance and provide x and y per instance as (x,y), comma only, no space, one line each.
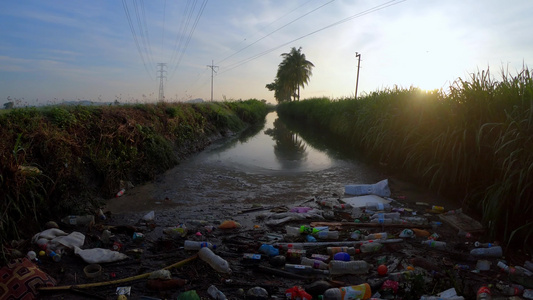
(278,28)
(358,15)
(191,32)
(134,34)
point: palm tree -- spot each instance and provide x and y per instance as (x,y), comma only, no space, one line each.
(294,71)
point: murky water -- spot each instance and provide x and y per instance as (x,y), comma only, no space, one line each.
(268,165)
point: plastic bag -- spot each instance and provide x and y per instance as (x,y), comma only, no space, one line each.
(99,255)
(380,189)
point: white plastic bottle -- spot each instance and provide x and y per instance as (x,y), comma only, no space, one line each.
(303,269)
(361,291)
(327,235)
(376,236)
(216,293)
(378,206)
(315,263)
(495,251)
(216,262)
(194,245)
(435,244)
(371,247)
(339,267)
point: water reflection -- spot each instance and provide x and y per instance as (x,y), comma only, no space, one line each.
(289,149)
(276,148)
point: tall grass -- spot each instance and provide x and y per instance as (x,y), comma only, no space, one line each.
(66,159)
(473,141)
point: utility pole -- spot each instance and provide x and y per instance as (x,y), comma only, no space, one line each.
(161,77)
(358,55)
(212,66)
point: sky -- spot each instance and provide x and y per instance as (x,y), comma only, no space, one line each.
(104,51)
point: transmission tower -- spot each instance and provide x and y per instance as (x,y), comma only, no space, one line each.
(161,76)
(212,66)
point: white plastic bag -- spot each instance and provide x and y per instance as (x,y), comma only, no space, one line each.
(99,255)
(380,189)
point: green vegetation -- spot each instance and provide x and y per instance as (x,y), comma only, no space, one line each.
(474,142)
(293,72)
(63,160)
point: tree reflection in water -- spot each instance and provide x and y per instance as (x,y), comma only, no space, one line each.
(290,149)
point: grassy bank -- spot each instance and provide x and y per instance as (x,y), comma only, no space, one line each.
(473,142)
(63,160)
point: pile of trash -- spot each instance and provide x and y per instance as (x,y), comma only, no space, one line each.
(366,245)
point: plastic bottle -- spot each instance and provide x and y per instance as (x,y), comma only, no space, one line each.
(215,293)
(291,246)
(120,193)
(356,235)
(484,293)
(528,265)
(312,230)
(392,215)
(510,290)
(361,291)
(269,250)
(78,220)
(416,220)
(327,235)
(303,269)
(292,231)
(343,206)
(376,236)
(435,244)
(327,203)
(194,245)
(53,255)
(216,262)
(349,250)
(338,267)
(378,206)
(321,257)
(317,264)
(495,251)
(371,247)
(483,245)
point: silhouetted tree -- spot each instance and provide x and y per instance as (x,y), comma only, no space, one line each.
(293,72)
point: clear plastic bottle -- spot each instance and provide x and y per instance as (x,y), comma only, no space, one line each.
(338,267)
(361,291)
(216,262)
(483,245)
(495,251)
(215,293)
(315,263)
(194,245)
(392,215)
(378,206)
(349,250)
(371,247)
(292,231)
(78,220)
(343,206)
(376,236)
(303,269)
(327,235)
(435,244)
(510,290)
